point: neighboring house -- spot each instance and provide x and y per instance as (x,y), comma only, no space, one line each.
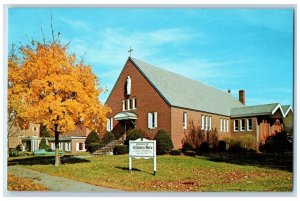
(71,141)
(150,98)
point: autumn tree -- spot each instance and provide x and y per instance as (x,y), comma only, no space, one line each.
(49,86)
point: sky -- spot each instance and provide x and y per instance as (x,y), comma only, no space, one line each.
(249,49)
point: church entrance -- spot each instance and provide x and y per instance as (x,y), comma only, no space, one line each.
(127,121)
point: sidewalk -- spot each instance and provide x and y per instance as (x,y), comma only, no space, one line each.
(55,183)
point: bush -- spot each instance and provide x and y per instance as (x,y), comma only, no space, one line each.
(190,153)
(13,152)
(121,149)
(203,148)
(93,137)
(133,135)
(95,146)
(175,152)
(108,137)
(242,143)
(43,144)
(221,146)
(277,144)
(164,143)
(187,147)
(19,147)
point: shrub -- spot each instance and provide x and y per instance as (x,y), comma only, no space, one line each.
(108,137)
(175,152)
(95,146)
(221,146)
(93,137)
(43,144)
(164,143)
(248,142)
(190,153)
(203,148)
(19,147)
(186,147)
(13,152)
(277,144)
(133,135)
(121,149)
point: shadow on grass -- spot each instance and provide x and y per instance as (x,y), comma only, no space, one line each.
(274,161)
(46,160)
(127,169)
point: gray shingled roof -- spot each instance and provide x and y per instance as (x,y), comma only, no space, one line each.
(266,109)
(184,92)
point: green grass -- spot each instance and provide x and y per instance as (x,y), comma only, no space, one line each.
(174,173)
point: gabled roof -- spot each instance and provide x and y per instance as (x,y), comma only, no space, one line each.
(286,109)
(180,91)
(257,110)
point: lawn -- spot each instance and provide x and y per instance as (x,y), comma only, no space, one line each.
(174,173)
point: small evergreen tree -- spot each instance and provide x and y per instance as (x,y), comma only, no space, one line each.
(164,143)
(133,135)
(108,137)
(43,144)
(93,137)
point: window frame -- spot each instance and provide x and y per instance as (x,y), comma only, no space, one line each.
(236,125)
(249,120)
(241,123)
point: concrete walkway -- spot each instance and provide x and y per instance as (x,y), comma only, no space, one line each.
(56,183)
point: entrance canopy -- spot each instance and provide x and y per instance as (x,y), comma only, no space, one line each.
(125,116)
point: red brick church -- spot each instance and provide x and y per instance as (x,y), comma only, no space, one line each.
(150,98)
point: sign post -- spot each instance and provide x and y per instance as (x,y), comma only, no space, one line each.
(142,148)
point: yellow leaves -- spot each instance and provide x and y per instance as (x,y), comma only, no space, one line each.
(23,184)
(49,87)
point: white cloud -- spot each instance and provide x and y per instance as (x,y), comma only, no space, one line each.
(76,23)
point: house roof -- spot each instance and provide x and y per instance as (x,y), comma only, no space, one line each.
(257,110)
(286,109)
(180,91)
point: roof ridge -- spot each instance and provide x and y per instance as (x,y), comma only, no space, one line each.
(183,76)
(257,105)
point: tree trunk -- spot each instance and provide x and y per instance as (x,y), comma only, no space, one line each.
(57,158)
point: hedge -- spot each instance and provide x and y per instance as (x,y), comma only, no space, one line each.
(164,143)
(121,149)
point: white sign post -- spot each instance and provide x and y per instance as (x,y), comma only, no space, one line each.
(142,148)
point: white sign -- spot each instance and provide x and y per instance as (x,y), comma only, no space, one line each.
(142,148)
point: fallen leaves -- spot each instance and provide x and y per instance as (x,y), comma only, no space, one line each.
(23,184)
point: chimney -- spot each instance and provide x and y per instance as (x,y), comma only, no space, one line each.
(242,96)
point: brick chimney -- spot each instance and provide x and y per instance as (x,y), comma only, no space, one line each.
(242,96)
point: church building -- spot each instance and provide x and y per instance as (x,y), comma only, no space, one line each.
(150,98)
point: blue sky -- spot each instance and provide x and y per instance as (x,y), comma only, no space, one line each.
(250,49)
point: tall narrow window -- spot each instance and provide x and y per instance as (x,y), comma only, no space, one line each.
(224,125)
(202,122)
(129,104)
(209,128)
(227,125)
(152,120)
(52,146)
(134,103)
(185,120)
(243,124)
(123,105)
(109,124)
(206,122)
(221,124)
(236,125)
(249,125)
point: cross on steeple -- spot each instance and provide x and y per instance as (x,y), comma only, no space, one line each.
(130,50)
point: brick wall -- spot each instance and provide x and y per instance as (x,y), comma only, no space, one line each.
(148,100)
(178,133)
